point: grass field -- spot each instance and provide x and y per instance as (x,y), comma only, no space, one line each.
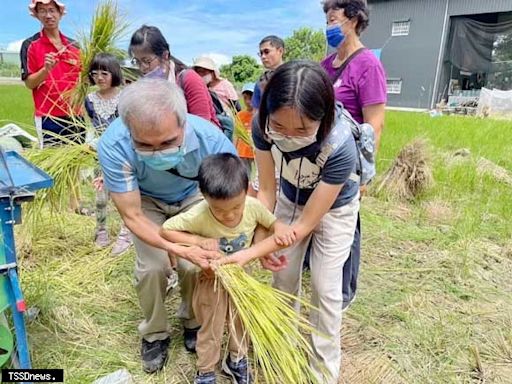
(435,295)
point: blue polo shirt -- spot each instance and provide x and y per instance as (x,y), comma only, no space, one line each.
(123,172)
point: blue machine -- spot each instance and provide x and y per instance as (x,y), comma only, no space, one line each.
(18,182)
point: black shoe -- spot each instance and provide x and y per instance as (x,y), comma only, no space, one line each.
(190,338)
(154,355)
(239,372)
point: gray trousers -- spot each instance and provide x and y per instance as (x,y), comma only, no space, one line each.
(153,267)
(330,247)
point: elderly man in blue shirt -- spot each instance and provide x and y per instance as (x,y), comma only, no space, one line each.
(150,157)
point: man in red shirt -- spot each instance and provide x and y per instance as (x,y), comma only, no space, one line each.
(50,67)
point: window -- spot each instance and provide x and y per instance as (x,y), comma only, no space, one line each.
(394,86)
(400,28)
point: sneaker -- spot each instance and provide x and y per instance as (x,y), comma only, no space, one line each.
(172,281)
(239,372)
(205,378)
(154,355)
(123,242)
(101,238)
(190,338)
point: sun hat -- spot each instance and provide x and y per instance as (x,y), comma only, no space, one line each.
(33,4)
(207,63)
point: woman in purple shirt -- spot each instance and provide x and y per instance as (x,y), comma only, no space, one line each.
(359,82)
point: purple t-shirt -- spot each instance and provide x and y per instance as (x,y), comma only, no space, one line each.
(362,82)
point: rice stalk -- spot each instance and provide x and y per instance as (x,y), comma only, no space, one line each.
(108,26)
(63,163)
(411,172)
(275,329)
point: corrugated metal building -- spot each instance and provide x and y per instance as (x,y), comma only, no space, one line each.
(414,35)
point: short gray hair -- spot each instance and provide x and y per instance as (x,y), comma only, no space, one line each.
(148,100)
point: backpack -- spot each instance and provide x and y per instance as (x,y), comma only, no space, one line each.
(226,122)
(364,137)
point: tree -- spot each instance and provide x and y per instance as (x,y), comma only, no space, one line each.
(305,43)
(242,69)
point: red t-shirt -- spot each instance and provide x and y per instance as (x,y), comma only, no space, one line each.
(51,97)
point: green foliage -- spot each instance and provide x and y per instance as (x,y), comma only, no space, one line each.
(242,69)
(305,43)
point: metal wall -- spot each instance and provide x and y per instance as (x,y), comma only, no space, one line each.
(468,7)
(414,58)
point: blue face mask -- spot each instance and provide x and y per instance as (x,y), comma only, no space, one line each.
(162,160)
(157,73)
(335,35)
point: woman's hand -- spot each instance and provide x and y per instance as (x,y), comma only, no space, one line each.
(284,235)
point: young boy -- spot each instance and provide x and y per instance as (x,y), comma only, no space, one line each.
(226,221)
(244,150)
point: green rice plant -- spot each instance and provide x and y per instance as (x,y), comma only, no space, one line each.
(275,329)
(240,132)
(107,27)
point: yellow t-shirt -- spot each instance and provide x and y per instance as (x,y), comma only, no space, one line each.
(200,221)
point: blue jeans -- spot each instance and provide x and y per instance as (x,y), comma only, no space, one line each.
(351,267)
(53,128)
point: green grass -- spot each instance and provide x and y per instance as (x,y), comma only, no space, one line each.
(435,294)
(16,106)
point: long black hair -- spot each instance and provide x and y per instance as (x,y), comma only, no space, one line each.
(303,85)
(151,38)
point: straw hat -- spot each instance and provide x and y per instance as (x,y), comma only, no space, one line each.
(33,4)
(207,63)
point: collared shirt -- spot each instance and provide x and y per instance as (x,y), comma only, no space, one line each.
(124,172)
(51,97)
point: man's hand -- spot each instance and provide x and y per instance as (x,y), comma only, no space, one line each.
(50,61)
(200,257)
(241,258)
(273,263)
(284,235)
(209,244)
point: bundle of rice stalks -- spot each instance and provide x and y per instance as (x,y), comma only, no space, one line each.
(107,28)
(275,329)
(63,164)
(410,173)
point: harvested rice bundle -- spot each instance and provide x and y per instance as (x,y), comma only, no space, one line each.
(281,351)
(410,173)
(64,164)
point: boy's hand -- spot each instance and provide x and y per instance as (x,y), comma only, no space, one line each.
(98,183)
(209,244)
(284,235)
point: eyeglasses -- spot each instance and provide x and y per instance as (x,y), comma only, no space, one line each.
(48,11)
(99,73)
(265,52)
(145,62)
(168,147)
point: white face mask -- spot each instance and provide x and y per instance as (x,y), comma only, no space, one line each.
(290,143)
(207,79)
